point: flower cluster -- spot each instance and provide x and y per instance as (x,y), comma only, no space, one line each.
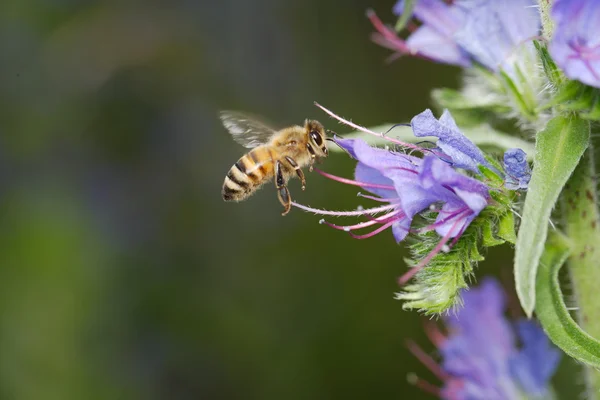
(575,45)
(485,32)
(480,358)
(492,39)
(436,198)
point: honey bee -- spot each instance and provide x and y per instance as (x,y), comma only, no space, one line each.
(279,154)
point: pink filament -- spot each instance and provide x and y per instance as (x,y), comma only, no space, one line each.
(428,387)
(393,41)
(383,219)
(454,214)
(345,213)
(393,200)
(375,232)
(434,334)
(363,129)
(426,360)
(410,273)
(353,182)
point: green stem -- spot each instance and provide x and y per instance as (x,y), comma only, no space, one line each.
(583,229)
(547,22)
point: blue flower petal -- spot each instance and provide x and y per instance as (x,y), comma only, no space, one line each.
(537,361)
(458,147)
(575,46)
(494,29)
(516,167)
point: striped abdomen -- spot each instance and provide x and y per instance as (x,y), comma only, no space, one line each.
(248,174)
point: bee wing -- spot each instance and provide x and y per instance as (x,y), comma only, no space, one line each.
(246,129)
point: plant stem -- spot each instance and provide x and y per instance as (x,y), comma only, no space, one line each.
(583,228)
(547,22)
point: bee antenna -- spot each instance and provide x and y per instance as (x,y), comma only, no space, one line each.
(395,126)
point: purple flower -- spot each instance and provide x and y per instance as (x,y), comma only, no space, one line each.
(433,186)
(518,172)
(575,46)
(480,356)
(484,31)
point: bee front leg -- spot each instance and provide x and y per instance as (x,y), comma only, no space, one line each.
(313,156)
(298,170)
(282,191)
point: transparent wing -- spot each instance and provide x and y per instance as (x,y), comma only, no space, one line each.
(246,129)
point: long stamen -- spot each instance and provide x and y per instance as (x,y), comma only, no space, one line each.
(345,213)
(379,220)
(450,217)
(388,217)
(387,34)
(375,232)
(425,386)
(363,129)
(349,228)
(380,199)
(408,275)
(434,334)
(353,182)
(426,360)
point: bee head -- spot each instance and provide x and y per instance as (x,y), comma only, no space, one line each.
(317,143)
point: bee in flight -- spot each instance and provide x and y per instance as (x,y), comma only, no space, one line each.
(279,154)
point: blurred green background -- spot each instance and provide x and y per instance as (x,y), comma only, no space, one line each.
(123,275)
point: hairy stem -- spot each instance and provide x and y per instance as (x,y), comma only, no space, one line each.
(583,228)
(547,23)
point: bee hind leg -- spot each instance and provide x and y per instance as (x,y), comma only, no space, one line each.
(282,191)
(298,170)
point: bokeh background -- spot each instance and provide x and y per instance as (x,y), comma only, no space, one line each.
(123,275)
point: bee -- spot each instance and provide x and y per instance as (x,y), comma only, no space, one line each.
(275,154)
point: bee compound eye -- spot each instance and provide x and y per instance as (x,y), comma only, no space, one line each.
(316,137)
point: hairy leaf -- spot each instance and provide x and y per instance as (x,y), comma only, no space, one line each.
(552,311)
(559,148)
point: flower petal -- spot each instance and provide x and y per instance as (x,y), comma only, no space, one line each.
(451,141)
(537,361)
(494,29)
(575,46)
(518,172)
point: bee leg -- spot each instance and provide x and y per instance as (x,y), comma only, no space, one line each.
(282,191)
(298,170)
(313,156)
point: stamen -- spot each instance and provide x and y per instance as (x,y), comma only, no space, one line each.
(387,34)
(375,232)
(357,213)
(450,217)
(396,215)
(434,334)
(348,228)
(408,275)
(363,129)
(382,200)
(426,360)
(353,182)
(425,386)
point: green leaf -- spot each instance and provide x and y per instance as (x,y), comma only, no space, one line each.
(558,150)
(482,135)
(552,311)
(487,237)
(506,228)
(407,13)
